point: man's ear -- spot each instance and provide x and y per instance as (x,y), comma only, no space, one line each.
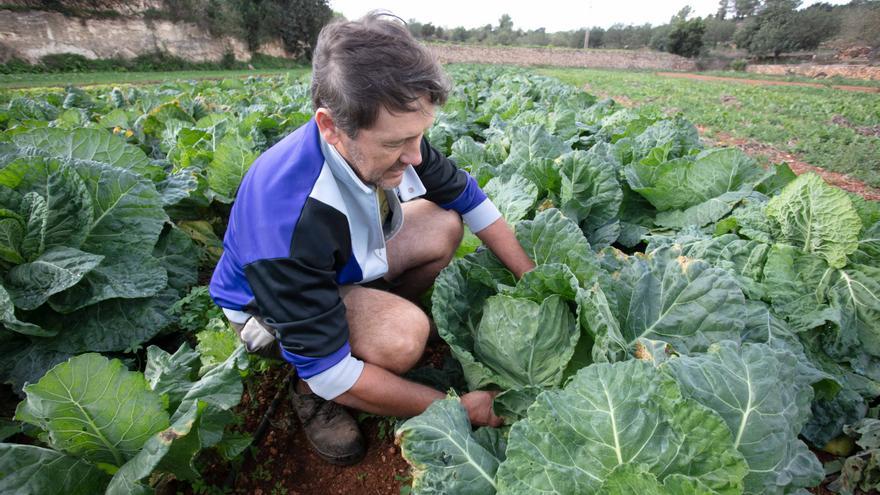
(327,126)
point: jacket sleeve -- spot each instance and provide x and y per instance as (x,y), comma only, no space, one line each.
(454,189)
(298,297)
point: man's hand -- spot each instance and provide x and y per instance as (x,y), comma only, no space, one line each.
(478,404)
(501,240)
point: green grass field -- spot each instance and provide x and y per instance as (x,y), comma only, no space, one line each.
(792,119)
(14,81)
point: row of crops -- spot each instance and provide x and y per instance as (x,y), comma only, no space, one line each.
(694,318)
(694,321)
(111,205)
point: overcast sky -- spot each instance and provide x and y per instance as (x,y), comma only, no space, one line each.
(553,15)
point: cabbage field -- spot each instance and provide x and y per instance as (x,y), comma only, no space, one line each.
(696,323)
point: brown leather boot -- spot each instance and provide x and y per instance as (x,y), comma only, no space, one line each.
(331,430)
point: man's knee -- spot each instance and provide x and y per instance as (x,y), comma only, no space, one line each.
(408,344)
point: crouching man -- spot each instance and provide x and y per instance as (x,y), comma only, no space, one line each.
(353,200)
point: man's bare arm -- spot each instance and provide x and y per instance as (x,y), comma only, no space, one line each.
(500,239)
(379,391)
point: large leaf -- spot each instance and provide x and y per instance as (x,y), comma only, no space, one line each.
(544,281)
(762,326)
(171,374)
(179,438)
(95,409)
(111,325)
(514,196)
(705,213)
(12,231)
(67,217)
(38,471)
(446,456)
(178,186)
(11,322)
(129,278)
(758,392)
(532,154)
(92,145)
(742,258)
(457,303)
(232,159)
(553,238)
(614,415)
(665,296)
(868,252)
(628,479)
(56,270)
(794,283)
(220,388)
(526,343)
(817,218)
(590,193)
(214,395)
(128,214)
(25,363)
(179,256)
(678,136)
(682,183)
(854,298)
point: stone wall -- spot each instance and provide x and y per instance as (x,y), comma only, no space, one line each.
(869,72)
(31,35)
(561,57)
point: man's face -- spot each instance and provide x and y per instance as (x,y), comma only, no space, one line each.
(380,154)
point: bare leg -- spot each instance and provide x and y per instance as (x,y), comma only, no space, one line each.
(422,248)
(384,329)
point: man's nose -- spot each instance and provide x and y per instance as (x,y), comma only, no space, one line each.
(412,153)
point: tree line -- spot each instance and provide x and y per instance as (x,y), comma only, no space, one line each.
(762,27)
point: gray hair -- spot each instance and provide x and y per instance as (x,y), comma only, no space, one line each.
(360,66)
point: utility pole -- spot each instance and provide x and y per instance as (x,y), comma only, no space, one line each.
(587,32)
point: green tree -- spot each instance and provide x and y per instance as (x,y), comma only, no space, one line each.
(597,37)
(772,31)
(718,31)
(504,35)
(745,8)
(813,25)
(301,21)
(686,37)
(660,38)
(459,34)
(428,30)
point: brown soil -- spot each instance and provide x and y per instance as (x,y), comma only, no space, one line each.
(764,82)
(282,462)
(754,148)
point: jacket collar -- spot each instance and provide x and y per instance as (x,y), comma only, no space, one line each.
(340,168)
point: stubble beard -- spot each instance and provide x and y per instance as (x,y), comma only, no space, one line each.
(376,179)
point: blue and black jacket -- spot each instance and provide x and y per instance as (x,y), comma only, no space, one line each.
(303,224)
